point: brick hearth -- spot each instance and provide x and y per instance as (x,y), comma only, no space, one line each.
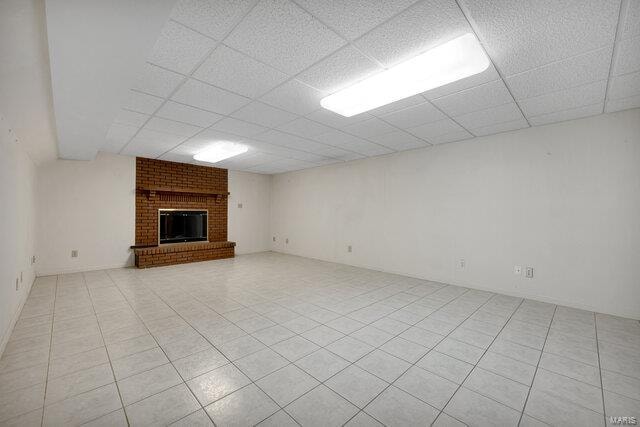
(169,185)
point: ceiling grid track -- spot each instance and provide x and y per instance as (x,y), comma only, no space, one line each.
(254,73)
(622,12)
(474,27)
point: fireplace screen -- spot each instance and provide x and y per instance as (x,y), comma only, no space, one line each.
(182,226)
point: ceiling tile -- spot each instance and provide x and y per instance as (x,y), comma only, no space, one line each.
(353,143)
(339,70)
(158,81)
(291,141)
(497,18)
(477,98)
(290,153)
(117,136)
(587,25)
(282,151)
(208,97)
(431,130)
(305,128)
(184,113)
(414,116)
(488,75)
(199,142)
(623,104)
(587,94)
(560,116)
(281,166)
(624,86)
(232,161)
(247,161)
(211,17)
(263,114)
(179,48)
(490,116)
(500,127)
(132,118)
(630,22)
(142,103)
(149,143)
(354,18)
(417,29)
(238,127)
(397,106)
(580,69)
(171,127)
(458,135)
(399,141)
(284,36)
(259,158)
(234,71)
(627,56)
(172,156)
(295,97)
(339,154)
(370,127)
(332,119)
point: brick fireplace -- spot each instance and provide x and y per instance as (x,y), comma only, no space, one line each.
(169,185)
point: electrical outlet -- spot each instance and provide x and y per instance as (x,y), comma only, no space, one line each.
(239,205)
(286,240)
(33,259)
(462,263)
(349,248)
(74,253)
(517,270)
(529,273)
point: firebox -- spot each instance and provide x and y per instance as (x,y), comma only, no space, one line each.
(182,225)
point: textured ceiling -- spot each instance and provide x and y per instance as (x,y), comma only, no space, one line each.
(255,71)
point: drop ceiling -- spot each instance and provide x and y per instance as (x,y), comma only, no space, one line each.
(255,71)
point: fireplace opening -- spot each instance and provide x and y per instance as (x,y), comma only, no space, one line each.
(176,226)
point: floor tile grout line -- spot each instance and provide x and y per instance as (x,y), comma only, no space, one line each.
(389,384)
(332,289)
(515,310)
(604,411)
(322,324)
(46,378)
(210,343)
(105,349)
(161,349)
(524,407)
(429,350)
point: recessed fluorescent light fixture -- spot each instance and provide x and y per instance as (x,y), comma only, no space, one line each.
(459,58)
(220,151)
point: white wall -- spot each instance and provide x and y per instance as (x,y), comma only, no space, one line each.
(17,228)
(88,206)
(249,225)
(564,199)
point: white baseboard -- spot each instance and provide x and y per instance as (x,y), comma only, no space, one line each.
(16,315)
(52,271)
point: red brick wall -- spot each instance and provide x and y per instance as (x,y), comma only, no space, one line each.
(159,173)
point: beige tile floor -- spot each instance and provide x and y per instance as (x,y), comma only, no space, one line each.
(279,340)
